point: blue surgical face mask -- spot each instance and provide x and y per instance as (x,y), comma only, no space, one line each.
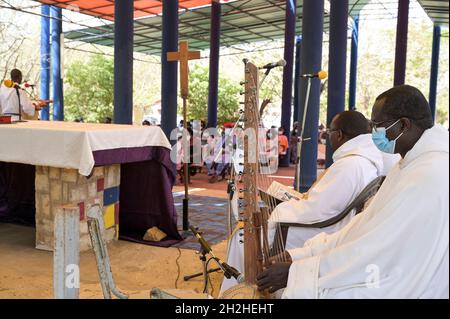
(382,142)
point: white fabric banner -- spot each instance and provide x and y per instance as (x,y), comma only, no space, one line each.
(70,145)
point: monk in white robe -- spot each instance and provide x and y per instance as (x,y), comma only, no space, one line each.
(397,247)
(357,162)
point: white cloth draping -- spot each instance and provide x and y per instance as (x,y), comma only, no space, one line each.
(397,247)
(71,145)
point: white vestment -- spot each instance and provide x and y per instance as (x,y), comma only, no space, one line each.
(356,163)
(9,102)
(397,247)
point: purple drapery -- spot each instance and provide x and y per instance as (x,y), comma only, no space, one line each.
(146,179)
(17,200)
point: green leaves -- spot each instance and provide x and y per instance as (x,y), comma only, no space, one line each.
(228,96)
(90,89)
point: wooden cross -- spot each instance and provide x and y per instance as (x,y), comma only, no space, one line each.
(184,55)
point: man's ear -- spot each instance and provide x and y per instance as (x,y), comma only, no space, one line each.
(405,124)
(340,135)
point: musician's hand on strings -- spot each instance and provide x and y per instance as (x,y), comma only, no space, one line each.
(274,278)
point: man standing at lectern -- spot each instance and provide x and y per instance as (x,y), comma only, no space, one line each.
(11,93)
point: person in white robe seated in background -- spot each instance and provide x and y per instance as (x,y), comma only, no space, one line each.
(357,162)
(398,246)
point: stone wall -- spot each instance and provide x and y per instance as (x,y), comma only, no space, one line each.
(58,186)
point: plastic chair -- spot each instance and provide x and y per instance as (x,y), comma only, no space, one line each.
(358,203)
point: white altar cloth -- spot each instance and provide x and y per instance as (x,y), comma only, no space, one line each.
(71,145)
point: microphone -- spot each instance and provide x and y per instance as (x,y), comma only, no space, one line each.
(270,66)
(27,85)
(227,269)
(12,85)
(231,271)
(321,75)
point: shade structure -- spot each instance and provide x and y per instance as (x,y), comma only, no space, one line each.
(242,22)
(437,10)
(105,8)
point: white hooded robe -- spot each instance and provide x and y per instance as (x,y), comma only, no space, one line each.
(397,247)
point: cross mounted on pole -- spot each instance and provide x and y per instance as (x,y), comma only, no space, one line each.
(184,55)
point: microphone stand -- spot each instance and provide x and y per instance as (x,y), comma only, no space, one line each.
(206,249)
(264,76)
(301,138)
(20,106)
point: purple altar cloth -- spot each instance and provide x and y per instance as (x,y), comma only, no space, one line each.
(147,177)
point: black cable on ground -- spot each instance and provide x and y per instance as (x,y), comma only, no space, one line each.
(178,268)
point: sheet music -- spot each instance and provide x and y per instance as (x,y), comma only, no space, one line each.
(283,192)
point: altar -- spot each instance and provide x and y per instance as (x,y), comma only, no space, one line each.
(125,169)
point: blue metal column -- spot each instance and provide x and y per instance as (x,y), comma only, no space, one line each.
(402,42)
(123,61)
(169,76)
(353,65)
(434,68)
(56,30)
(214,64)
(298,54)
(312,36)
(289,47)
(45,60)
(337,65)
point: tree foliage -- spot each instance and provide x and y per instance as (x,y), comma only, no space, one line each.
(90,89)
(228,96)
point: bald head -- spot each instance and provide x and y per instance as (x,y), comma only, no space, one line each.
(346,126)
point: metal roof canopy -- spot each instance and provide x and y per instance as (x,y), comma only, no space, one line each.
(242,21)
(105,8)
(437,10)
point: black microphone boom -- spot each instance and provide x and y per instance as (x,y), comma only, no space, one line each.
(201,240)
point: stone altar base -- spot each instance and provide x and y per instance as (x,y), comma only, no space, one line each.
(57,187)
